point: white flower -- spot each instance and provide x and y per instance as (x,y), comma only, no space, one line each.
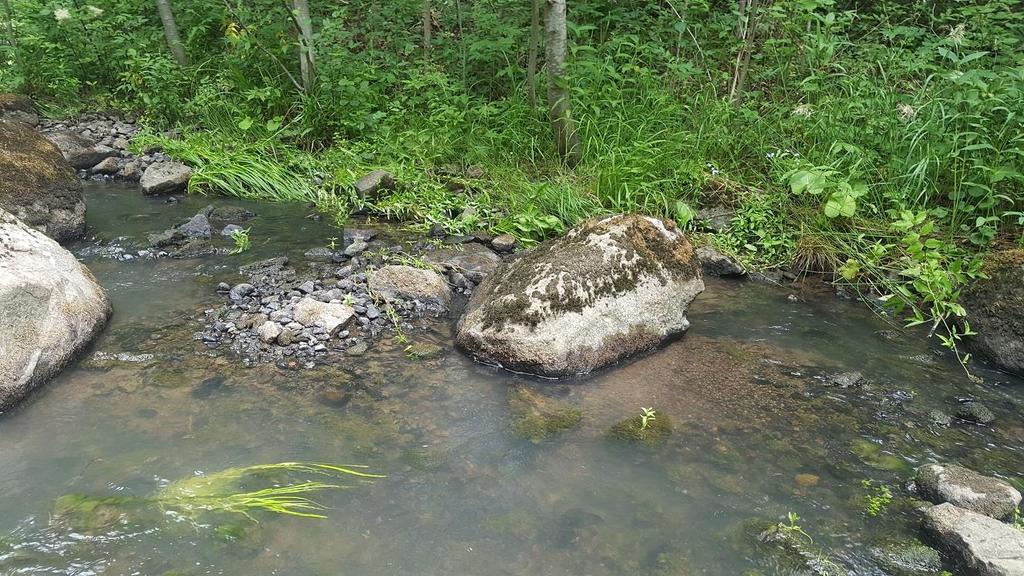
(94,11)
(803,110)
(62,14)
(957,34)
(906,111)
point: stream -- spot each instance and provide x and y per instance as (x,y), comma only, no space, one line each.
(759,431)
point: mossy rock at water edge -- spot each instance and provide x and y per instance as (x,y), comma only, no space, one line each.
(91,514)
(632,429)
(538,417)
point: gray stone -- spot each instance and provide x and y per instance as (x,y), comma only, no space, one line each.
(165,178)
(322,254)
(995,310)
(107,166)
(78,150)
(238,292)
(372,184)
(18,108)
(350,235)
(984,546)
(846,379)
(37,185)
(610,288)
(269,331)
(197,227)
(407,283)
(715,263)
(473,260)
(715,218)
(967,489)
(307,287)
(975,412)
(330,316)
(357,246)
(51,308)
(372,312)
(504,243)
(230,229)
(286,337)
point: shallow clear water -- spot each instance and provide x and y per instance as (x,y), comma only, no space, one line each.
(757,434)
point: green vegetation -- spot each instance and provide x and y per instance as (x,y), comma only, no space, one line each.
(644,428)
(241,239)
(538,417)
(877,499)
(879,144)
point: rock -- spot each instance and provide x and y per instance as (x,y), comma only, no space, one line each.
(331,317)
(995,310)
(967,489)
(714,263)
(358,349)
(357,246)
(424,351)
(610,288)
(18,108)
(372,184)
(78,150)
(408,283)
(269,331)
(908,558)
(230,229)
(286,337)
(119,143)
(974,411)
(983,545)
(106,166)
(323,254)
(50,309)
(473,260)
(229,214)
(307,287)
(165,178)
(846,379)
(715,218)
(350,235)
(129,171)
(238,292)
(197,227)
(223,287)
(37,185)
(504,243)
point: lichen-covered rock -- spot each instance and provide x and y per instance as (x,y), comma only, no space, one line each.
(967,489)
(78,150)
(608,289)
(408,283)
(165,178)
(50,309)
(18,108)
(371,185)
(995,311)
(715,263)
(983,545)
(331,316)
(37,185)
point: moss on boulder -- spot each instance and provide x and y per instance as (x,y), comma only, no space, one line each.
(611,287)
(37,185)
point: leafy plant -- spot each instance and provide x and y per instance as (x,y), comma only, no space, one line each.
(241,240)
(646,417)
(877,499)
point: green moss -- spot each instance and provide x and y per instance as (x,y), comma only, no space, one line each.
(871,454)
(539,418)
(90,514)
(632,429)
(908,558)
(424,351)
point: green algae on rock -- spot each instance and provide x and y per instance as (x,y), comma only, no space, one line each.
(610,288)
(633,429)
(539,418)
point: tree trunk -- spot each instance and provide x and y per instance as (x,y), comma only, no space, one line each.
(307,57)
(171,31)
(531,64)
(560,111)
(428,27)
(748,28)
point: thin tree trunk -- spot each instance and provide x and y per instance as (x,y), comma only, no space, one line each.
(12,38)
(307,57)
(560,111)
(428,27)
(531,63)
(749,18)
(171,31)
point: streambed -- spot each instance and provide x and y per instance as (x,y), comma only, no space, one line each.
(759,431)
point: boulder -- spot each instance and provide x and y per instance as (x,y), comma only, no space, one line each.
(37,185)
(408,283)
(504,243)
(18,108)
(608,289)
(371,185)
(165,178)
(78,150)
(109,165)
(995,310)
(967,489)
(474,260)
(331,316)
(983,545)
(50,309)
(714,263)
(269,331)
(197,227)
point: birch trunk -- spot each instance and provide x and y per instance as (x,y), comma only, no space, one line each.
(307,57)
(171,31)
(560,112)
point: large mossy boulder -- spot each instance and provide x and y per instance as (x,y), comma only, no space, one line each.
(50,308)
(37,185)
(983,546)
(967,489)
(608,289)
(18,108)
(995,310)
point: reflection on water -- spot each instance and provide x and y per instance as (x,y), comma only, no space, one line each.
(757,432)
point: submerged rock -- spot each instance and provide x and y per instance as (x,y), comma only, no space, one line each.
(983,545)
(50,309)
(715,263)
(408,283)
(974,411)
(908,559)
(538,417)
(38,186)
(967,489)
(165,178)
(656,430)
(609,288)
(995,310)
